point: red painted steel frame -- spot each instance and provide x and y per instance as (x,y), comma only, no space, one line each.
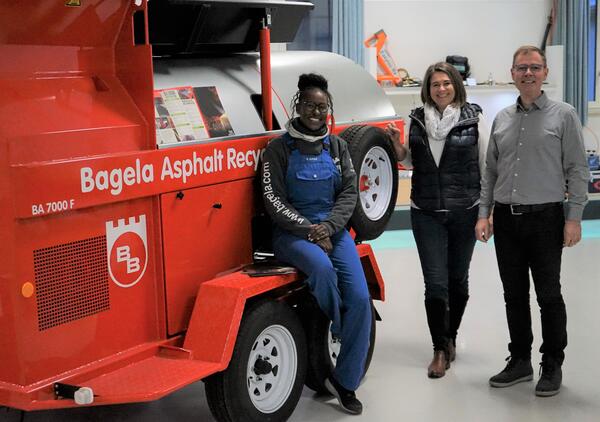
(78,160)
(150,371)
(75,85)
(265,76)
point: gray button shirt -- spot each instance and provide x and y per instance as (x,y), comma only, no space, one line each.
(536,156)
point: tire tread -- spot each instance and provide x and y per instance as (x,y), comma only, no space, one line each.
(359,139)
(225,400)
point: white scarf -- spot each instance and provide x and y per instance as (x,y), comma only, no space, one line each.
(437,125)
(294,133)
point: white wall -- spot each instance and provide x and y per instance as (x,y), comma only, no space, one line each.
(421,32)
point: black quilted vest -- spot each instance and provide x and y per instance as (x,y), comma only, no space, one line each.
(455,184)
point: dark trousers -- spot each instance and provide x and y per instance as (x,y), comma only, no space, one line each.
(445,241)
(532,241)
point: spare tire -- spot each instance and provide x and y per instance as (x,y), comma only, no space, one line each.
(375,162)
(322,348)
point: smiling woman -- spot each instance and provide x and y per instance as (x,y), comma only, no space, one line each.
(442,90)
(312,110)
(446,150)
(310,190)
(312,102)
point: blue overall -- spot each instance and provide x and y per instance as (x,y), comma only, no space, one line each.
(337,280)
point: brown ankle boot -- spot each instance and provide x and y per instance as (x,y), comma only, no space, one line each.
(439,364)
(451,350)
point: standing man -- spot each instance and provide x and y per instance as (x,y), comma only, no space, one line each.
(535,179)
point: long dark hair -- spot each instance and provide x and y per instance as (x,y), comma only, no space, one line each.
(460,94)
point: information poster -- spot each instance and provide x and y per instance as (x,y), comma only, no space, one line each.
(213,113)
(189,114)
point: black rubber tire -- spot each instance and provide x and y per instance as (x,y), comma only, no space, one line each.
(227,392)
(362,139)
(320,364)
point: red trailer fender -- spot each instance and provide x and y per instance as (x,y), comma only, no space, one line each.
(220,303)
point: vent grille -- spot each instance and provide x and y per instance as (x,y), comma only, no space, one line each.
(71,281)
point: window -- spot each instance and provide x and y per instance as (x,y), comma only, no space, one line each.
(315,31)
(592,56)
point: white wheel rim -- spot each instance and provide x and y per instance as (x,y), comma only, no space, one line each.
(275,345)
(333,345)
(375,183)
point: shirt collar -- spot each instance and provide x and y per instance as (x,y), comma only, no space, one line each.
(539,102)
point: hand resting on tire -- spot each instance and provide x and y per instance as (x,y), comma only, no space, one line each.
(394,133)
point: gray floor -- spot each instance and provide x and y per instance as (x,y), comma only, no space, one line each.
(397,388)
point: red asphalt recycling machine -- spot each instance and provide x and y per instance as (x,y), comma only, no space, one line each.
(130,138)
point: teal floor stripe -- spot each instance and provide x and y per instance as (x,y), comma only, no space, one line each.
(396,239)
(591,229)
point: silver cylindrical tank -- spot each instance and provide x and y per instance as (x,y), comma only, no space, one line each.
(356,95)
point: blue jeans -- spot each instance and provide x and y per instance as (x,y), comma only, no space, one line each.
(338,283)
(445,241)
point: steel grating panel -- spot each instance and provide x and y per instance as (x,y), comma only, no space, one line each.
(71,281)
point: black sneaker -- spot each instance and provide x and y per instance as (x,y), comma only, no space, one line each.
(517,370)
(346,398)
(550,379)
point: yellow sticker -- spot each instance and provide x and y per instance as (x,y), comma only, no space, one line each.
(73,3)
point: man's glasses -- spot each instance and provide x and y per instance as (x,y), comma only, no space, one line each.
(522,68)
(311,107)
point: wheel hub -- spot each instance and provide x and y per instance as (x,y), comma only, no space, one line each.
(334,344)
(271,370)
(365,183)
(262,366)
(375,183)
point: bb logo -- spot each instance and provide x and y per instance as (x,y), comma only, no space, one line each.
(127,250)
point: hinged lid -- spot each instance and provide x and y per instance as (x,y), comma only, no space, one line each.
(185,27)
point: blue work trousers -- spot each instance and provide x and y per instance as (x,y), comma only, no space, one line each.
(338,283)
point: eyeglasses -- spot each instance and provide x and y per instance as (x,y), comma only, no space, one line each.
(522,68)
(311,107)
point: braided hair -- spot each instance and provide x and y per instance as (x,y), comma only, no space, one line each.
(306,82)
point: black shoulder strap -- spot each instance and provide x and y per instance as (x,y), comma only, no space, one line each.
(334,151)
(334,148)
(289,141)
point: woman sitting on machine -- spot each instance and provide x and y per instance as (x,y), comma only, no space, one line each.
(310,190)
